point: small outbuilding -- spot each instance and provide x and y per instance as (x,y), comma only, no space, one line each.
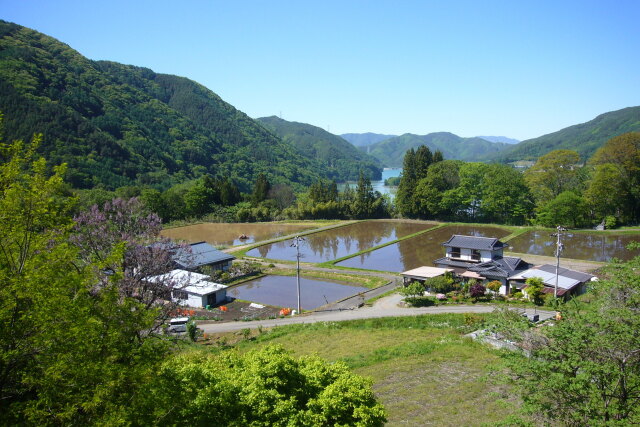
(192,289)
(570,282)
(421,274)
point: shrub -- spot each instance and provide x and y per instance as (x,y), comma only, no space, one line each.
(534,288)
(413,289)
(494,286)
(192,331)
(420,301)
(477,290)
(610,221)
(441,284)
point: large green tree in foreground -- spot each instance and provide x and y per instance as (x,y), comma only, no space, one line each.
(585,370)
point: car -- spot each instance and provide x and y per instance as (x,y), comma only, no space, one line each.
(178,324)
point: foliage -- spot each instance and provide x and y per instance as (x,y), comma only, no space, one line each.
(420,301)
(390,152)
(494,286)
(567,209)
(586,369)
(584,138)
(552,174)
(262,387)
(118,125)
(534,288)
(413,289)
(442,284)
(477,290)
(71,352)
(192,331)
(339,159)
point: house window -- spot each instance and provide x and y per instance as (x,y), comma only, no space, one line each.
(179,295)
(475,255)
(455,252)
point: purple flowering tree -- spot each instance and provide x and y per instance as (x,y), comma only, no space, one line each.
(122,243)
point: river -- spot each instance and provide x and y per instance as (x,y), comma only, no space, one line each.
(379,185)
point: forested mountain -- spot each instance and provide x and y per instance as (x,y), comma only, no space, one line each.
(365,139)
(340,160)
(499,139)
(584,138)
(391,151)
(118,125)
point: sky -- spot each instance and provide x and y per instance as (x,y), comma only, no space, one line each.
(520,69)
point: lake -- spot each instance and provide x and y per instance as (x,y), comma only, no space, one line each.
(379,185)
(341,241)
(281,291)
(418,251)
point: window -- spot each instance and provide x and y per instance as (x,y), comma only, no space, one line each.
(455,252)
(180,295)
(475,255)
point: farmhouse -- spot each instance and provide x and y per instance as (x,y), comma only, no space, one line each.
(192,289)
(481,258)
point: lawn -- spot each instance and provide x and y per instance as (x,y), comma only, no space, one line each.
(424,370)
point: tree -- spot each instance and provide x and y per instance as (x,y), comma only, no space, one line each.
(263,387)
(465,200)
(622,153)
(260,189)
(585,370)
(534,289)
(606,195)
(477,290)
(413,289)
(407,185)
(506,199)
(567,209)
(553,174)
(429,193)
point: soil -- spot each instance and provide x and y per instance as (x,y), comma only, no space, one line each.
(235,310)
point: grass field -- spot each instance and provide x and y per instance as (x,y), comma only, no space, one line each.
(424,370)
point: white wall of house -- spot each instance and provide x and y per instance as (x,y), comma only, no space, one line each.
(467,254)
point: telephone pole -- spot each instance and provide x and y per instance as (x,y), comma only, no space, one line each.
(296,244)
(559,247)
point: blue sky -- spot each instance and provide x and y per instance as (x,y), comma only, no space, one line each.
(520,69)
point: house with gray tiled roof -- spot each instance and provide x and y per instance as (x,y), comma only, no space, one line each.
(481,258)
(570,282)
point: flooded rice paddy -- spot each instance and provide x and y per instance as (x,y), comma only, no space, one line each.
(418,251)
(224,234)
(281,291)
(592,247)
(340,242)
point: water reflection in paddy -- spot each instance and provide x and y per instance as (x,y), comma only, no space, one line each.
(281,291)
(593,247)
(227,234)
(340,242)
(417,251)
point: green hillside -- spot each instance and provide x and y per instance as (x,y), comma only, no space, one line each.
(118,125)
(584,138)
(365,139)
(341,160)
(391,151)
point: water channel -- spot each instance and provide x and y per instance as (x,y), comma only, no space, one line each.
(601,246)
(418,251)
(341,241)
(226,234)
(280,291)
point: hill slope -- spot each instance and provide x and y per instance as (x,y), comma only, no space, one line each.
(341,160)
(391,151)
(365,139)
(119,125)
(584,138)
(499,139)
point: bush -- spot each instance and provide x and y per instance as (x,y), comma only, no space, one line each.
(420,301)
(192,331)
(494,286)
(610,221)
(440,284)
(518,295)
(477,290)
(413,289)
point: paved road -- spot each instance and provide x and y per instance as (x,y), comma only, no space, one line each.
(385,307)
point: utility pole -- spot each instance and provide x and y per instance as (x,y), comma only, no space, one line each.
(559,247)
(296,244)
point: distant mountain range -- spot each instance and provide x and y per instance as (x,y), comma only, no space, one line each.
(340,160)
(584,138)
(503,139)
(365,139)
(391,151)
